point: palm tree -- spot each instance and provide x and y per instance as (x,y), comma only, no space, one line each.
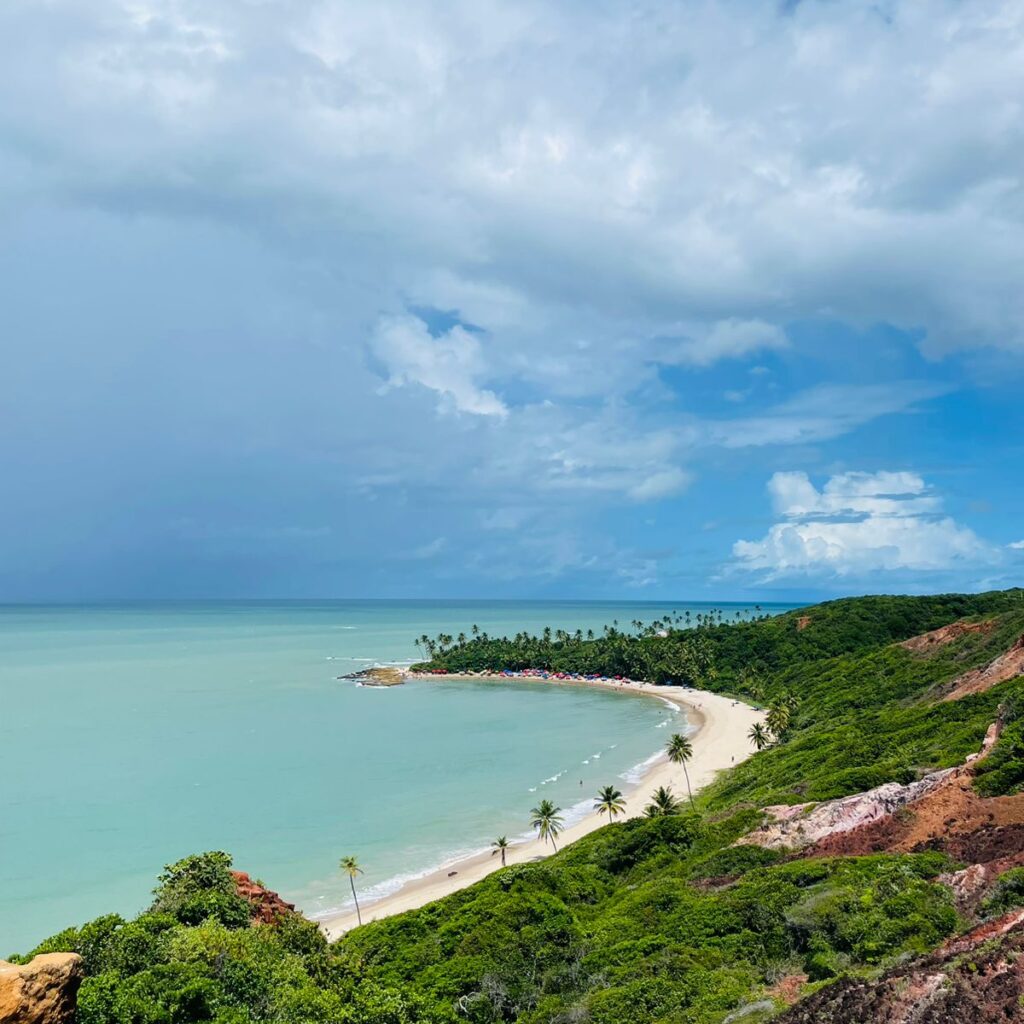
(547,821)
(610,799)
(662,802)
(758,735)
(500,845)
(778,718)
(351,868)
(680,750)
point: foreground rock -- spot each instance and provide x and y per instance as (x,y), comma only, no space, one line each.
(43,991)
(977,978)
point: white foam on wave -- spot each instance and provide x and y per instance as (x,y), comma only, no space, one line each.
(635,774)
(381,890)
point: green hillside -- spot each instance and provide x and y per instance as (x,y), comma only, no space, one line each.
(653,919)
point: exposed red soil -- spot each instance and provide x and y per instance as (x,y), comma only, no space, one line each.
(976,936)
(952,818)
(803,622)
(267,906)
(788,988)
(976,978)
(1007,666)
(927,642)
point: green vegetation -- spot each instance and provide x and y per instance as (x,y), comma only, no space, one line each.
(655,918)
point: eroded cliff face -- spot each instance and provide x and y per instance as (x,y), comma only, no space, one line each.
(43,991)
(925,643)
(977,978)
(941,811)
(267,906)
(1008,665)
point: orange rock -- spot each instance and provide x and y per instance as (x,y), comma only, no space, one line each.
(267,906)
(925,642)
(43,991)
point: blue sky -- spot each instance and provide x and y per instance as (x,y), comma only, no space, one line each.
(703,300)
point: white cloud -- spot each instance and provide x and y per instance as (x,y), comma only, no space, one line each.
(429,550)
(858,524)
(728,339)
(660,484)
(449,364)
(1017,545)
(822,412)
(691,184)
(878,494)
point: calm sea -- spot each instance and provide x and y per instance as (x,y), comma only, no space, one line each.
(133,735)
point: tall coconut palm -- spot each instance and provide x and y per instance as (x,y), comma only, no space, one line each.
(547,821)
(662,802)
(351,868)
(680,750)
(500,845)
(609,800)
(778,718)
(758,735)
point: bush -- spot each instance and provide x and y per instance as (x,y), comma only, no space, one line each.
(199,888)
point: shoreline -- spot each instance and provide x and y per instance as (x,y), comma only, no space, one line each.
(717,728)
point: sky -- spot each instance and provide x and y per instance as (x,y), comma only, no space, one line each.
(706,300)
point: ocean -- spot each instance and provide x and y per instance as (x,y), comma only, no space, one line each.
(133,735)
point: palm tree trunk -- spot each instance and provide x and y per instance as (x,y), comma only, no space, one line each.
(352,882)
(502,858)
(688,790)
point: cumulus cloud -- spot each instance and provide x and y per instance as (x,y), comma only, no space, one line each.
(448,364)
(742,197)
(858,524)
(1017,545)
(308,174)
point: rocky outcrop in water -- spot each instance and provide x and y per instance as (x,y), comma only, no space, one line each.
(379,675)
(43,991)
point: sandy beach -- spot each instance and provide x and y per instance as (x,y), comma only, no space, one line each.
(718,732)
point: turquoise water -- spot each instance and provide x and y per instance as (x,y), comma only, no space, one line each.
(131,736)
